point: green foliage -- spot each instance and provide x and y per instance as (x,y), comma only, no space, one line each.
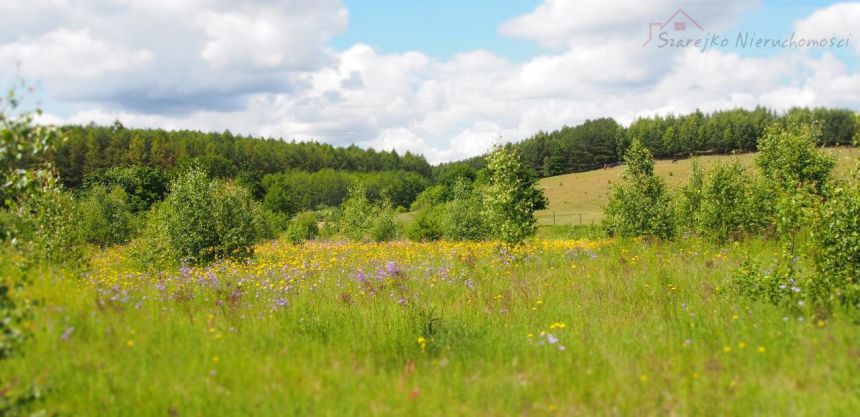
(192,225)
(781,284)
(836,238)
(143,185)
(15,310)
(431,196)
(510,198)
(105,216)
(462,217)
(788,156)
(303,227)
(362,220)
(23,147)
(236,228)
(641,206)
(427,225)
(202,220)
(46,229)
(221,155)
(294,191)
(154,249)
(690,201)
(730,203)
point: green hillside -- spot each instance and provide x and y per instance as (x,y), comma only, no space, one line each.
(582,196)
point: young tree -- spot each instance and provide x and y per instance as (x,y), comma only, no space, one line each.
(641,206)
(510,198)
(790,158)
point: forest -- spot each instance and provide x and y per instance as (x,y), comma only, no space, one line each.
(268,167)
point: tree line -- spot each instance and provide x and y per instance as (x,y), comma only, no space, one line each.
(89,148)
(602,142)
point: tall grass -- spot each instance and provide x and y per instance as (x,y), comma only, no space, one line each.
(584,327)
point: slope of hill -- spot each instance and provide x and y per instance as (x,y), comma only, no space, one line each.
(580,197)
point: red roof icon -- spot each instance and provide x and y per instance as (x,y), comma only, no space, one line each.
(680,19)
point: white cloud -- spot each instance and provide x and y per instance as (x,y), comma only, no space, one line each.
(444,109)
(73,54)
(839,20)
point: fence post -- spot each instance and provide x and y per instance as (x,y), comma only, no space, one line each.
(580,219)
(553,218)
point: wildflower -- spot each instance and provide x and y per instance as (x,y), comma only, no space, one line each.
(761,349)
(643,378)
(216,359)
(557,326)
(422,342)
(742,345)
(130,343)
(821,323)
(67,333)
(727,349)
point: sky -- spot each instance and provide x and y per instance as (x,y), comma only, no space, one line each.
(446,79)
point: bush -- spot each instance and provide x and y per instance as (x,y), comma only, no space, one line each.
(269,224)
(788,156)
(106,217)
(731,203)
(641,206)
(143,185)
(362,221)
(690,201)
(836,237)
(430,197)
(202,220)
(153,249)
(47,228)
(303,227)
(462,219)
(427,225)
(510,198)
(236,230)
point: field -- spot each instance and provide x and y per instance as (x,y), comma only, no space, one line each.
(560,327)
(582,196)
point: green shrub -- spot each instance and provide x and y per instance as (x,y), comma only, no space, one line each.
(143,185)
(303,227)
(461,218)
(427,225)
(789,157)
(269,224)
(106,217)
(362,221)
(430,197)
(202,220)
(729,205)
(235,227)
(47,228)
(690,201)
(836,239)
(641,206)
(153,249)
(192,225)
(510,198)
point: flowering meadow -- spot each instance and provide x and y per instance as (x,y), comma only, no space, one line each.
(555,327)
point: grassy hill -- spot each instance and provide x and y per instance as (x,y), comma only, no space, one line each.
(580,197)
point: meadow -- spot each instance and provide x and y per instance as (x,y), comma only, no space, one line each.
(583,195)
(591,326)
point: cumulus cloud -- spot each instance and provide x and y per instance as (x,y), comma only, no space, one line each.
(292,86)
(167,56)
(841,19)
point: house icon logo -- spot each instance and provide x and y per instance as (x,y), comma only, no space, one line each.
(680,21)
